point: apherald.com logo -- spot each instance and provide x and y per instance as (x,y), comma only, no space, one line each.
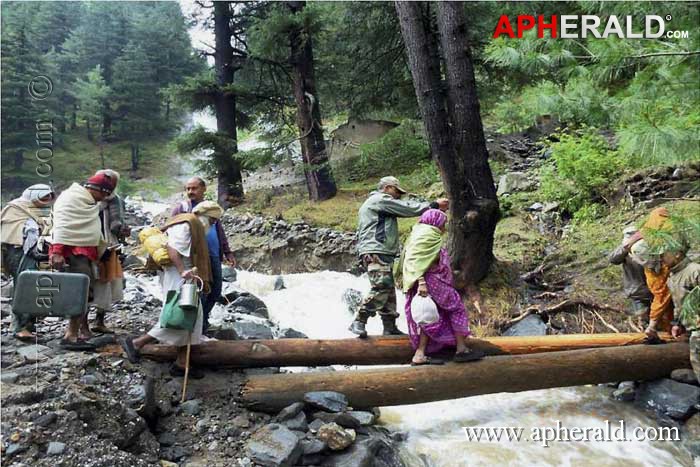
(583,26)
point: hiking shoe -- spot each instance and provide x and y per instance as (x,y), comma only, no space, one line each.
(390,329)
(358,327)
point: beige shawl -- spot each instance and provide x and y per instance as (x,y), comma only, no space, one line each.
(76,219)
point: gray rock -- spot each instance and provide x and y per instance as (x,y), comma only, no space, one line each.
(132,261)
(35,353)
(166,439)
(229,274)
(549,207)
(289,333)
(290,411)
(252,303)
(363,418)
(342,419)
(5,310)
(536,207)
(312,446)
(513,182)
(279,283)
(55,448)
(223,332)
(315,425)
(671,398)
(684,375)
(246,330)
(531,325)
(625,394)
(202,426)
(175,453)
(336,437)
(240,421)
(213,446)
(9,377)
(298,422)
(366,453)
(45,420)
(15,448)
(88,380)
(330,401)
(191,407)
(274,445)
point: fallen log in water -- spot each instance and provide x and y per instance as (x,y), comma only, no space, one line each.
(371,351)
(515,373)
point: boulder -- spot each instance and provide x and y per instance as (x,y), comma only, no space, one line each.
(684,375)
(223,332)
(330,401)
(35,353)
(336,437)
(55,448)
(279,283)
(668,397)
(290,411)
(250,304)
(228,274)
(298,422)
(289,333)
(531,325)
(312,446)
(274,445)
(362,417)
(513,182)
(246,330)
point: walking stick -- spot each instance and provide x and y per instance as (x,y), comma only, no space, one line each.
(187,367)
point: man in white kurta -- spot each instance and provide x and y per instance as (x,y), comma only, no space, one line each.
(184,255)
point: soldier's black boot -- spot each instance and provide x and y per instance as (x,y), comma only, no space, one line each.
(390,329)
(358,327)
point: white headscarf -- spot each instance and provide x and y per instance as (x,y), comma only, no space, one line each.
(35,192)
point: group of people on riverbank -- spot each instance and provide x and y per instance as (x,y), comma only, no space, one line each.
(661,281)
(79,231)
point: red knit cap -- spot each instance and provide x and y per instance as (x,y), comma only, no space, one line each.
(102,182)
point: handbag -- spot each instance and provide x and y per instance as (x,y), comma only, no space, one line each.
(424,310)
(174,316)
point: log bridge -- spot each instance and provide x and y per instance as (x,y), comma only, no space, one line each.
(513,364)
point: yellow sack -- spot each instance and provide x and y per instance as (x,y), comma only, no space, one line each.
(155,242)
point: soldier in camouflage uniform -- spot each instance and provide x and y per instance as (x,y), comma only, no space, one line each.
(378,246)
(684,284)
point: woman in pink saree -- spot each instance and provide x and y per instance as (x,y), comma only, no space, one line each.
(426,271)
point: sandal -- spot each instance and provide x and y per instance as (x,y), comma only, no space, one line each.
(31,338)
(76,345)
(131,353)
(428,361)
(469,355)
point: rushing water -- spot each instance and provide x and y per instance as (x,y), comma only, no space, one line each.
(312,303)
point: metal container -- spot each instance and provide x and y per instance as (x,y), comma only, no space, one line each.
(189,295)
(48,293)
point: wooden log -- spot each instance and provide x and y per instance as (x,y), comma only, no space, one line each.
(514,373)
(371,351)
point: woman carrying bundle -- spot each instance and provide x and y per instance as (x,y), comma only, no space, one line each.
(426,272)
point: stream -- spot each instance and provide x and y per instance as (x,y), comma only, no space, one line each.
(312,303)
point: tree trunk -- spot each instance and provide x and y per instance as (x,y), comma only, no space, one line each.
(89,129)
(74,118)
(229,177)
(463,168)
(414,385)
(19,159)
(134,157)
(370,351)
(474,201)
(317,170)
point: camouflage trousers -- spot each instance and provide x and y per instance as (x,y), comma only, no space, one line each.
(382,294)
(695,353)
